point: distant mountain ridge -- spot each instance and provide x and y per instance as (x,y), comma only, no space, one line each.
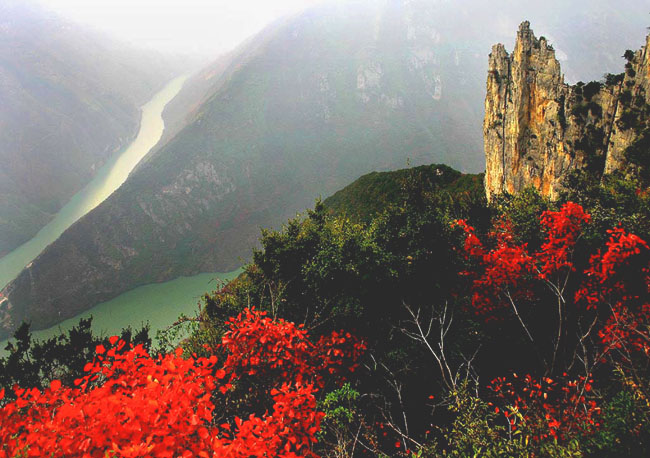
(69,98)
(322,98)
(300,111)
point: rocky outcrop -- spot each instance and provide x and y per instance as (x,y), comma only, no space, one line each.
(537,129)
(633,110)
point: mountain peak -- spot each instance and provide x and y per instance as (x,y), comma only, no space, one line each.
(537,129)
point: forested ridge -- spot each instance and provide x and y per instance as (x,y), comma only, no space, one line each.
(439,325)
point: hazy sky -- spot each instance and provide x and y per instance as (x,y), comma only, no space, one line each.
(204,26)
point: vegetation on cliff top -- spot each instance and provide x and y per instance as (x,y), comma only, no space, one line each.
(518,329)
(371,194)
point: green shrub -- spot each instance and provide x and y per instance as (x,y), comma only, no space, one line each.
(591,89)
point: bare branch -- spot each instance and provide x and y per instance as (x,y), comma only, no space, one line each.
(444,319)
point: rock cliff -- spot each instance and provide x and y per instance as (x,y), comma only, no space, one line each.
(537,129)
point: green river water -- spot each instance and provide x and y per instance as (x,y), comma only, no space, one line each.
(157,304)
(107,179)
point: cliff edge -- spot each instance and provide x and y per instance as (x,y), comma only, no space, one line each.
(537,129)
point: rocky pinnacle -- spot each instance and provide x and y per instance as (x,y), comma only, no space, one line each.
(537,129)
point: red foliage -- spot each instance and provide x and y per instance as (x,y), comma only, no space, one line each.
(505,271)
(608,300)
(618,279)
(616,283)
(549,408)
(562,231)
(283,351)
(502,269)
(132,405)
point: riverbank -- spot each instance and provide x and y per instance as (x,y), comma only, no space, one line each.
(108,178)
(157,305)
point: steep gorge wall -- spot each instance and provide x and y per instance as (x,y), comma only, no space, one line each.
(537,129)
(632,126)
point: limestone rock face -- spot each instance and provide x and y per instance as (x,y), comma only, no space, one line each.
(524,138)
(537,129)
(631,109)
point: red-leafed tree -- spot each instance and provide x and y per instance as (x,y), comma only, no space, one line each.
(550,408)
(610,295)
(578,311)
(130,404)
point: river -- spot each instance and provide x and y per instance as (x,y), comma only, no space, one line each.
(157,304)
(108,178)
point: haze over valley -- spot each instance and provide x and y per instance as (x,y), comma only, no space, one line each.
(324,228)
(267,124)
(70,100)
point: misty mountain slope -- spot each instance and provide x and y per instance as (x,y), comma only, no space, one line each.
(327,96)
(201,85)
(68,99)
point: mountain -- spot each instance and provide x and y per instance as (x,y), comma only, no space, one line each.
(69,98)
(371,194)
(310,104)
(538,129)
